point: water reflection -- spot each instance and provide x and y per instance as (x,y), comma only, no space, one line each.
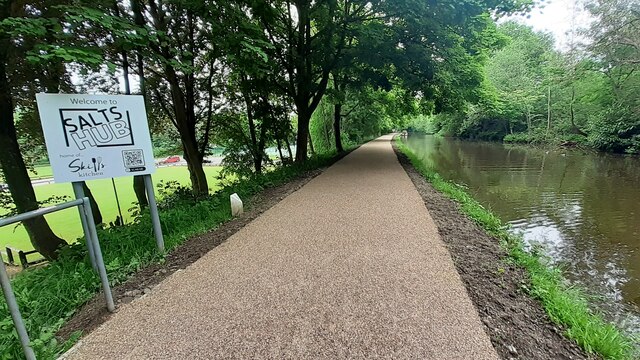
(582,208)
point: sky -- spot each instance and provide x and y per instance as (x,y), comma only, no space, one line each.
(557,17)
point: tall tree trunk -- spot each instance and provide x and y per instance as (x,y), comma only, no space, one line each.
(286,141)
(194,164)
(302,137)
(192,153)
(327,133)
(548,111)
(185,121)
(13,167)
(313,150)
(256,153)
(261,141)
(187,136)
(138,180)
(125,73)
(279,144)
(140,190)
(337,119)
(95,209)
(574,128)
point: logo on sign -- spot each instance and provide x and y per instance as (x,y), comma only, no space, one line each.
(88,168)
(96,128)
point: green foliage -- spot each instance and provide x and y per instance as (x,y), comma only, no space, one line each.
(165,145)
(321,128)
(533,93)
(447,124)
(565,305)
(273,56)
(422,123)
(50,295)
(367,112)
(518,138)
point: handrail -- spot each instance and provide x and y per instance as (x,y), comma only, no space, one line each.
(39,212)
(94,252)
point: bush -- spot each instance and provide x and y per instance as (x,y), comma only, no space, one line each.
(517,138)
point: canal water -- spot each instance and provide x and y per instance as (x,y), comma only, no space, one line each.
(582,208)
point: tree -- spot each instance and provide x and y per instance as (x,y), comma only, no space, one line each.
(37,65)
(614,31)
(260,113)
(11,161)
(182,55)
(309,39)
(614,42)
(360,70)
(520,73)
(121,48)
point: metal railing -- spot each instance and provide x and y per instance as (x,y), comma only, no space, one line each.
(95,255)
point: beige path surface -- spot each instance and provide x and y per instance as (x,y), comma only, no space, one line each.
(349,266)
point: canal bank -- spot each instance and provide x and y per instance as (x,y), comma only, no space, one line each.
(579,208)
(525,305)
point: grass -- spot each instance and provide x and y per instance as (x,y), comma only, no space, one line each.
(38,172)
(66,224)
(50,295)
(41,172)
(566,305)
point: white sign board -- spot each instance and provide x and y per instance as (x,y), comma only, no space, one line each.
(95,136)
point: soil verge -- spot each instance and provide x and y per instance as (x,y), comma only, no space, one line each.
(518,326)
(94,313)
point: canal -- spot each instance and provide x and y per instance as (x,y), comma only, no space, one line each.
(582,208)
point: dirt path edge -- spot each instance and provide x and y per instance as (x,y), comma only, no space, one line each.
(517,325)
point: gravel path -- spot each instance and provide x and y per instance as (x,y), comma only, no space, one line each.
(349,266)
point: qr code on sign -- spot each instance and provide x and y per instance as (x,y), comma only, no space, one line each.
(133,158)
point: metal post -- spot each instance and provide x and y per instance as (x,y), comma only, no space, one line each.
(153,207)
(15,312)
(10,256)
(92,239)
(79,193)
(23,259)
(115,192)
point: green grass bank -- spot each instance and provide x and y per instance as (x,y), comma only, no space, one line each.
(565,304)
(66,224)
(50,295)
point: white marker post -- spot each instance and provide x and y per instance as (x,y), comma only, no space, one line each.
(92,137)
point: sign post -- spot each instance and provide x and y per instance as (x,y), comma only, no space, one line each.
(92,137)
(78,191)
(153,207)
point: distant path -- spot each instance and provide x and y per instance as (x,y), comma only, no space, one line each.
(349,266)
